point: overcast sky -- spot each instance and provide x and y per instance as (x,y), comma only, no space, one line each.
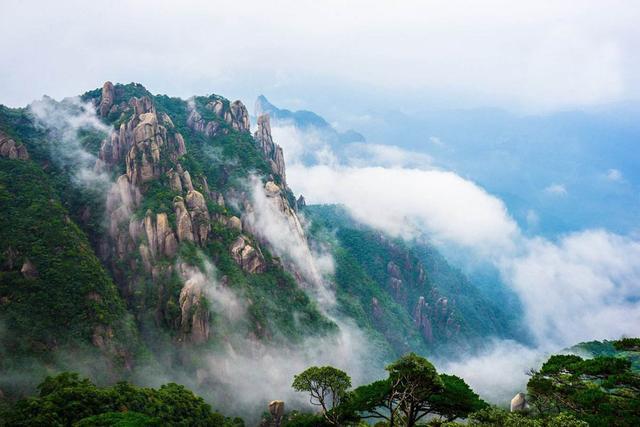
(537,55)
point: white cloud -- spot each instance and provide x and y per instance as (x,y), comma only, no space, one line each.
(556,190)
(511,359)
(584,287)
(435,140)
(405,201)
(614,175)
(533,54)
(65,120)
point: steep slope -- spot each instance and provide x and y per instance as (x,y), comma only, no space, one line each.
(407,291)
(165,235)
(168,215)
(57,302)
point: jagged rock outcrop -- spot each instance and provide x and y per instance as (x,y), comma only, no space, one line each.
(198,124)
(107,99)
(184,228)
(194,315)
(422,321)
(236,116)
(160,239)
(11,149)
(395,281)
(141,141)
(276,410)
(200,220)
(248,257)
(301,202)
(271,150)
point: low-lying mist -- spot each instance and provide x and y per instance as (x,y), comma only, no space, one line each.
(575,287)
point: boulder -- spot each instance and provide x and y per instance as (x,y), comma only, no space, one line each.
(250,259)
(235,223)
(519,402)
(276,409)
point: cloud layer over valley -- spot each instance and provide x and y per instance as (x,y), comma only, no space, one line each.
(574,287)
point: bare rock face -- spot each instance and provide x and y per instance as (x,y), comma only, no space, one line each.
(421,319)
(29,270)
(141,141)
(519,402)
(200,219)
(235,223)
(246,256)
(194,316)
(11,149)
(161,240)
(183,221)
(272,151)
(276,409)
(198,124)
(239,117)
(106,101)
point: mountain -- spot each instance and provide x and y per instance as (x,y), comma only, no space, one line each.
(148,238)
(406,291)
(306,120)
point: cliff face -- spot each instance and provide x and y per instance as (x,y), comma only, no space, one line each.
(407,293)
(197,217)
(168,229)
(144,243)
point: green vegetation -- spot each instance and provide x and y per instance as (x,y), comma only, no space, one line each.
(68,297)
(602,391)
(68,400)
(328,388)
(412,391)
(380,281)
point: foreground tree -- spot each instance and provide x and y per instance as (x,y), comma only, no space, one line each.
(602,391)
(327,387)
(456,400)
(412,391)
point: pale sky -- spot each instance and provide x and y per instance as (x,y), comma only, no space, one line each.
(531,55)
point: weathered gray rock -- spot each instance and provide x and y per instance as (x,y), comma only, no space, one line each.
(246,256)
(183,221)
(106,101)
(194,316)
(239,117)
(235,223)
(11,149)
(200,219)
(271,150)
(519,402)
(276,410)
(141,141)
(421,319)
